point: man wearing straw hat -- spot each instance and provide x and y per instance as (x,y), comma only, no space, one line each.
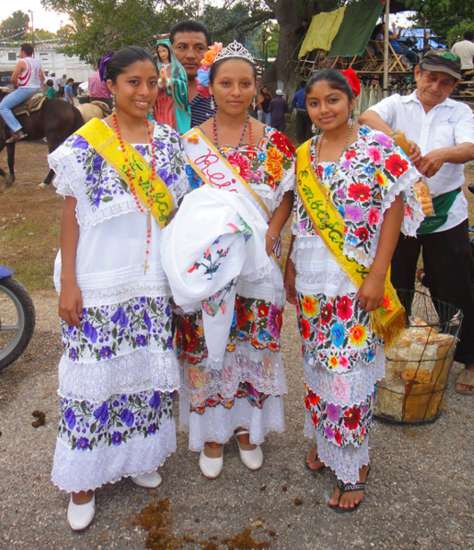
(443,130)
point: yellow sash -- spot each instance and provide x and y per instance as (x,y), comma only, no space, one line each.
(214,168)
(149,190)
(387,320)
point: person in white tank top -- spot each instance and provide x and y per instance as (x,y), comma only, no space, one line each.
(28,78)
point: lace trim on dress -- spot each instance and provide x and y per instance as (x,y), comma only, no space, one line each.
(286,184)
(218,423)
(132,373)
(345,462)
(65,169)
(266,285)
(78,470)
(351,388)
(317,270)
(123,293)
(263,369)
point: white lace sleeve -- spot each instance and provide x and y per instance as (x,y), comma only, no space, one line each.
(66,168)
(286,184)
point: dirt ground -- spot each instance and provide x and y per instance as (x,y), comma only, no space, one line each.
(420,494)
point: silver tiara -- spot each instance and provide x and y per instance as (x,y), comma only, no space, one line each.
(235,49)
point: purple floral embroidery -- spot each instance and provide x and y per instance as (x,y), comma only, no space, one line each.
(85,425)
(106,330)
(103,185)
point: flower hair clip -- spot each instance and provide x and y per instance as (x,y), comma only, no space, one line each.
(103,65)
(353,80)
(206,64)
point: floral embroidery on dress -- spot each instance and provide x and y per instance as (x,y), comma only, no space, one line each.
(85,425)
(341,425)
(245,391)
(256,322)
(359,189)
(102,183)
(335,331)
(264,164)
(105,330)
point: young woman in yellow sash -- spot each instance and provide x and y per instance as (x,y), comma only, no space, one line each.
(121,178)
(354,191)
(243,397)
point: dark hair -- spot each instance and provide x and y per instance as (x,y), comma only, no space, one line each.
(190,26)
(469,35)
(123,58)
(163,46)
(70,80)
(28,49)
(215,66)
(335,80)
(49,82)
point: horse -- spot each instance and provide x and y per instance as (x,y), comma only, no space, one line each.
(55,120)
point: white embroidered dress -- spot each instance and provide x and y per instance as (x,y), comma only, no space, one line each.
(118,370)
(343,358)
(247,390)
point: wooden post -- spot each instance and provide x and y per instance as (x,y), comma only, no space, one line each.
(385,47)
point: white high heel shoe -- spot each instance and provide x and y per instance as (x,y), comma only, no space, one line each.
(151,480)
(252,458)
(80,516)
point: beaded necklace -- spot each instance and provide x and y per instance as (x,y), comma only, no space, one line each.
(128,170)
(247,124)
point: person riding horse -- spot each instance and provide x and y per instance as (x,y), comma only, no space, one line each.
(28,79)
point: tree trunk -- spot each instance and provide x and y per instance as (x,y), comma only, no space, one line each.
(293,20)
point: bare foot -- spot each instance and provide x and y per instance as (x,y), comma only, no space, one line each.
(312,460)
(244,440)
(349,499)
(213,450)
(83,497)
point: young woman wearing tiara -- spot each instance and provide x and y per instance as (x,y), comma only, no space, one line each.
(121,179)
(239,392)
(354,192)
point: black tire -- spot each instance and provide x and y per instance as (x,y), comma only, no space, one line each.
(22,300)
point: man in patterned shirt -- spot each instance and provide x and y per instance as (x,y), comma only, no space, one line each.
(190,41)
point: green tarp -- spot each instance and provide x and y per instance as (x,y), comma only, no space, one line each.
(354,33)
(322,31)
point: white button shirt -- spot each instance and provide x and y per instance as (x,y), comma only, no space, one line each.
(448,124)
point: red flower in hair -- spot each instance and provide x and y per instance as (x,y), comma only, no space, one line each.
(351,76)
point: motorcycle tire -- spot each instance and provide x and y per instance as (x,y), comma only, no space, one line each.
(26,312)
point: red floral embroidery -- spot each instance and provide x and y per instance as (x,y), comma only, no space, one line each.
(350,154)
(241,163)
(283,144)
(326,313)
(352,418)
(359,192)
(262,310)
(305,328)
(362,233)
(396,165)
(344,308)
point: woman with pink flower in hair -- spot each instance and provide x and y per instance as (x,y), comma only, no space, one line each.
(354,192)
(241,395)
